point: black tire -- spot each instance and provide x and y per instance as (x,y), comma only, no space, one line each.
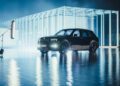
(93,47)
(65,45)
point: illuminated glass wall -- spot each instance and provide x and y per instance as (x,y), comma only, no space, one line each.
(105,23)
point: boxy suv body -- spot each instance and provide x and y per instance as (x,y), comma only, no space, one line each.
(74,39)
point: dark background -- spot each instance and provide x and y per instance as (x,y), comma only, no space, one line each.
(10,9)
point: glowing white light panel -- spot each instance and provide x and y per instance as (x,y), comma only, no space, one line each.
(32,27)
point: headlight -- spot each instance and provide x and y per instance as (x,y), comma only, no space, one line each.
(54,45)
(41,45)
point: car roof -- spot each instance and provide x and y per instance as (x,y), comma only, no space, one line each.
(76,29)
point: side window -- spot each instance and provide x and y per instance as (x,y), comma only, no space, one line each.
(76,33)
(68,32)
(61,33)
(84,34)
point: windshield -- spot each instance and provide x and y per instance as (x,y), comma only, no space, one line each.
(64,33)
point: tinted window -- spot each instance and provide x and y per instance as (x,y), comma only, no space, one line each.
(64,33)
(61,33)
(76,33)
(84,34)
(68,32)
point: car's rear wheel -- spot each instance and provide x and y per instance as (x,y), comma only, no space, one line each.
(65,45)
(93,47)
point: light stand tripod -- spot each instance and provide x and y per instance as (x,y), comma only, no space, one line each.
(2,36)
(2,50)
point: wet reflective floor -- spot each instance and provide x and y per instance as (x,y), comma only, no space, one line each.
(72,69)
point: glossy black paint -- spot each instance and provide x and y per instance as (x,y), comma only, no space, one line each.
(72,39)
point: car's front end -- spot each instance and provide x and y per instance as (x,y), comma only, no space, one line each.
(48,43)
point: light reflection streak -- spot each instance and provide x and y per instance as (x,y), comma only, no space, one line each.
(117,66)
(13,78)
(110,68)
(38,72)
(54,72)
(102,64)
(110,65)
(69,69)
(85,56)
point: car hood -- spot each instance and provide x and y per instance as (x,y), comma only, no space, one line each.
(52,37)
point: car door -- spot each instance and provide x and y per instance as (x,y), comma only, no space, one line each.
(85,39)
(76,38)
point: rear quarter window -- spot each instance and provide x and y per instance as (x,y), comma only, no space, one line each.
(84,34)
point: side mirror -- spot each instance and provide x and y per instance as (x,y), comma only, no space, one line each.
(12,29)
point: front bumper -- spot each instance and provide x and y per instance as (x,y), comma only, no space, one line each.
(51,46)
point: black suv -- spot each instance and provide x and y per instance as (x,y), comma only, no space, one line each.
(74,39)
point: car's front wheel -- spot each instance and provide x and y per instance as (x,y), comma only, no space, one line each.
(65,45)
(93,46)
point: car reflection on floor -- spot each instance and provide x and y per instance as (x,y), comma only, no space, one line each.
(54,69)
(57,62)
(104,59)
(81,57)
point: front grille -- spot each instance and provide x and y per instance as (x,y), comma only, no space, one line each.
(54,39)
